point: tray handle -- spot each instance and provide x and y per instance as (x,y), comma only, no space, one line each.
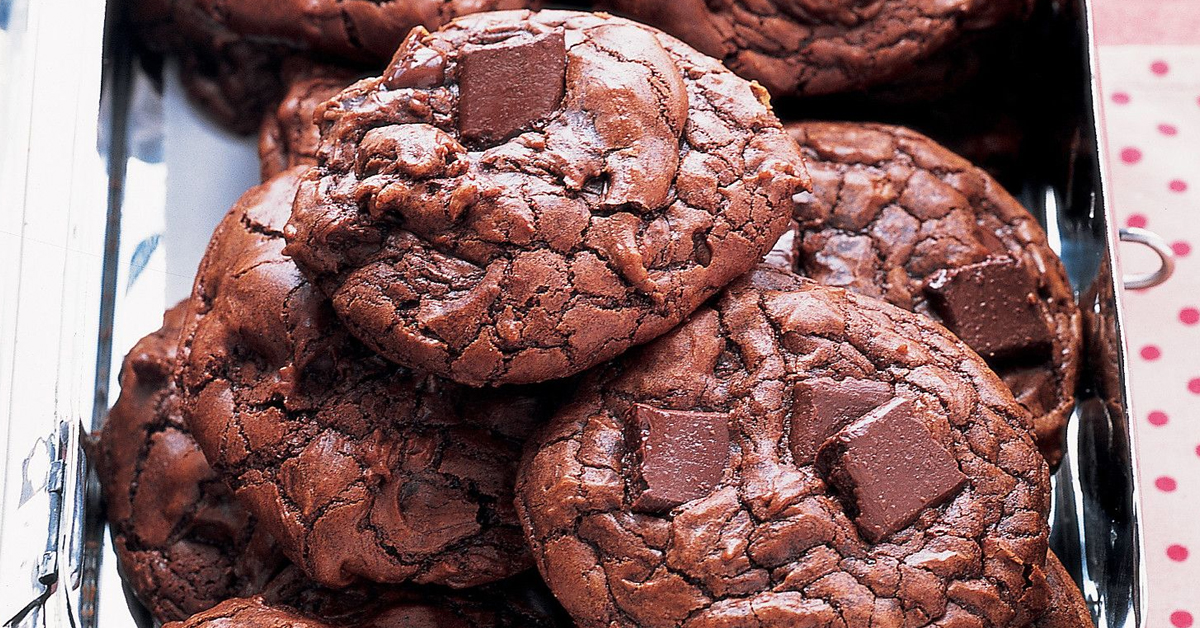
(1156,243)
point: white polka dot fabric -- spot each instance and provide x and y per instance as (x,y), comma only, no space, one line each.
(1152,125)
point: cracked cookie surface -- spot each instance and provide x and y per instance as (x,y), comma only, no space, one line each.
(768,536)
(522,602)
(358,467)
(814,47)
(1067,607)
(183,543)
(894,215)
(289,136)
(233,51)
(523,195)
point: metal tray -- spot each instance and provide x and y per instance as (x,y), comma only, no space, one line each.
(93,151)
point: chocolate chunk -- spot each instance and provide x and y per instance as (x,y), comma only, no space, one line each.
(598,227)
(770,544)
(993,307)
(236,57)
(892,208)
(822,406)
(887,468)
(679,455)
(505,87)
(416,65)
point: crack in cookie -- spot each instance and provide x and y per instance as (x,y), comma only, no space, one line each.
(929,509)
(523,195)
(898,217)
(360,468)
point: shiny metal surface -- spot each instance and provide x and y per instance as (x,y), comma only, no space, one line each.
(90,256)
(52,226)
(1156,243)
(1096,524)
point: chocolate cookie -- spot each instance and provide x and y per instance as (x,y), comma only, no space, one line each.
(896,216)
(813,47)
(249,612)
(289,135)
(523,195)
(233,51)
(792,455)
(183,543)
(359,468)
(1067,607)
(520,603)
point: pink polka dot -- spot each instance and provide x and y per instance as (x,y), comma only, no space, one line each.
(1159,67)
(1181,619)
(1158,418)
(1136,220)
(1151,352)
(1165,483)
(1131,155)
(1194,385)
(1177,553)
(1121,98)
(1168,129)
(1178,185)
(1181,248)
(1189,316)
(1198,450)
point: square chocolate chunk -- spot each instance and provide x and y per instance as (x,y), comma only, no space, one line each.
(887,468)
(993,306)
(678,455)
(505,87)
(822,406)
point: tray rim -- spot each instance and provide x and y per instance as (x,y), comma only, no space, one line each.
(70,419)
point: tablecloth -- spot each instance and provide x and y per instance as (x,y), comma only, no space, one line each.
(1149,54)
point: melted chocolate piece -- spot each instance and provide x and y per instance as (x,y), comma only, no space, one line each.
(891,208)
(679,455)
(822,406)
(993,307)
(770,545)
(659,178)
(887,468)
(235,55)
(416,65)
(505,87)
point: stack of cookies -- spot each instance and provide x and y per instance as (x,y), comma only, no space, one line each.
(551,321)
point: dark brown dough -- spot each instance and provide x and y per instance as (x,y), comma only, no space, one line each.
(250,612)
(814,47)
(358,467)
(1067,607)
(522,602)
(773,543)
(234,51)
(289,136)
(183,544)
(523,195)
(892,210)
